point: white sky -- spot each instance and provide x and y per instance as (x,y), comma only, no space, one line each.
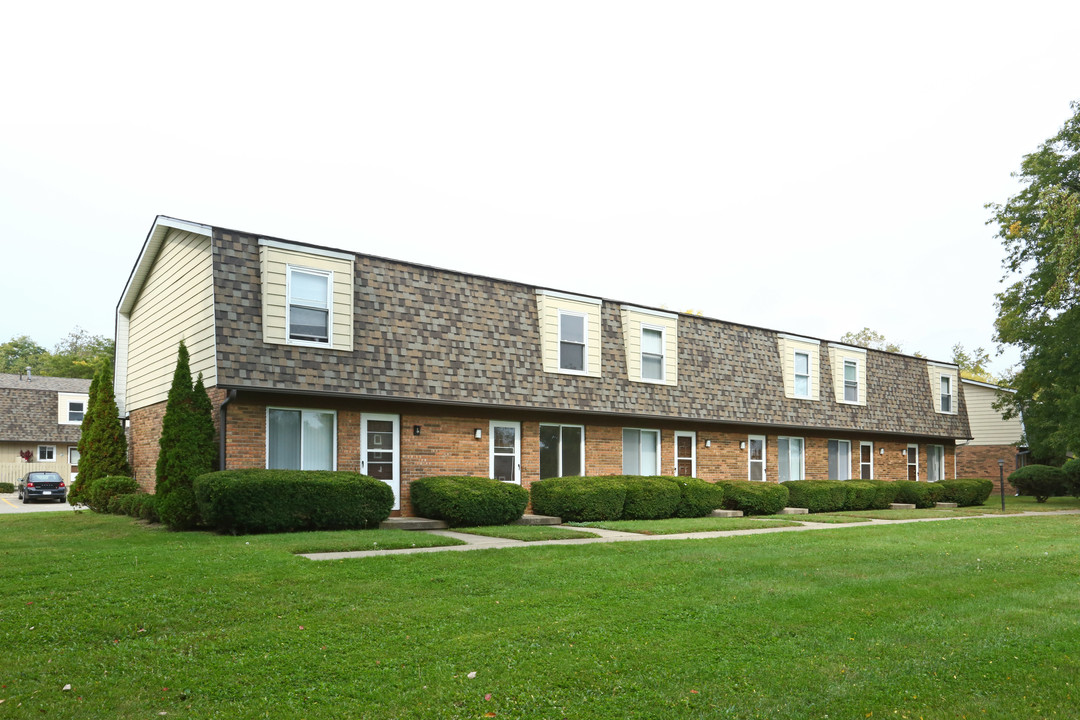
(808,167)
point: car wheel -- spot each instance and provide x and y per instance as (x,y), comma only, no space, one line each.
(26,499)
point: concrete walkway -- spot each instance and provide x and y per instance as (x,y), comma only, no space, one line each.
(481,542)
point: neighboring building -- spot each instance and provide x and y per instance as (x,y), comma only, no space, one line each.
(40,417)
(321,358)
(993,437)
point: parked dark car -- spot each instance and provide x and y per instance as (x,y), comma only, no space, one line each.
(42,486)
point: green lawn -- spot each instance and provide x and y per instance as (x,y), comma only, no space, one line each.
(674,526)
(969,619)
(528,533)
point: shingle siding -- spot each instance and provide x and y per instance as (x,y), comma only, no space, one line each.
(28,409)
(431,335)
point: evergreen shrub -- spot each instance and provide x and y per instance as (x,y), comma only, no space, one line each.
(966,491)
(1072,477)
(271,501)
(698,498)
(468,501)
(97,493)
(755,498)
(861,495)
(920,494)
(817,496)
(579,499)
(1040,481)
(138,505)
(650,498)
(6,487)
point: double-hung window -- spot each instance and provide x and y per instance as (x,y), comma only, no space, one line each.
(562,451)
(866,460)
(792,462)
(946,394)
(755,450)
(652,353)
(935,462)
(851,381)
(572,342)
(309,305)
(641,452)
(76,411)
(839,460)
(300,439)
(802,374)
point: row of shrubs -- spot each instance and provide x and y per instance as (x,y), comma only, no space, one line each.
(1045,481)
(834,495)
(625,497)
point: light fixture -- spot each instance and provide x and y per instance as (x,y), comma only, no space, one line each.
(708,443)
(903,452)
(742,444)
(882,451)
(477,433)
(415,429)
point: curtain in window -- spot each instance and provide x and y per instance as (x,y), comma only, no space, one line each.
(631,452)
(649,460)
(318,441)
(284,442)
(652,354)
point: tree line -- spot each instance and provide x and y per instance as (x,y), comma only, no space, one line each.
(78,355)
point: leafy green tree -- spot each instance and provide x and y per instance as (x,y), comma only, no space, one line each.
(103,443)
(1038,312)
(868,338)
(20,353)
(80,355)
(183,454)
(973,364)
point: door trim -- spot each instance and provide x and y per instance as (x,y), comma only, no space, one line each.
(517,447)
(693,451)
(394,484)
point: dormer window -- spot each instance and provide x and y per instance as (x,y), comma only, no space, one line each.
(309,306)
(652,353)
(76,410)
(572,342)
(946,394)
(802,374)
(851,381)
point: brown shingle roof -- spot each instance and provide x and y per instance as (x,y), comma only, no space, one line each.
(28,409)
(433,335)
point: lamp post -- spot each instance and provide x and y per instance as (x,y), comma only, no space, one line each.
(1001,479)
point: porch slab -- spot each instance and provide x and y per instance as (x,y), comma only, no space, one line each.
(902,506)
(530,519)
(412,523)
(726,513)
(945,505)
(793,511)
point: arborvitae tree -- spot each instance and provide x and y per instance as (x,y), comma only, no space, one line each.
(86,453)
(204,411)
(182,456)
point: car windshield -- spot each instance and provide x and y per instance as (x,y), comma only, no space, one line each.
(44,477)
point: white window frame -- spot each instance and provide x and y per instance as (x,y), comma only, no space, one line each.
(796,374)
(946,380)
(50,451)
(584,342)
(73,449)
(663,353)
(802,456)
(82,412)
(844,380)
(517,448)
(838,442)
(861,463)
(334,445)
(939,450)
(659,444)
(907,473)
(329,275)
(764,457)
(561,426)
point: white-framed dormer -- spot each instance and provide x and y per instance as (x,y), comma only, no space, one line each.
(71,408)
(569,333)
(944,387)
(652,345)
(800,366)
(309,309)
(849,373)
(307,295)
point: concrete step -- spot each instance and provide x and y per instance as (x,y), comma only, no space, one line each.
(726,513)
(794,511)
(902,506)
(538,520)
(945,505)
(412,523)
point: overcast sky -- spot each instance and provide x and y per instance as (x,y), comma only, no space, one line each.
(808,167)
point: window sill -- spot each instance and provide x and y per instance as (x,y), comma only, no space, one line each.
(308,343)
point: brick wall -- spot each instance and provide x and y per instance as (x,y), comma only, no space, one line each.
(144,437)
(981,461)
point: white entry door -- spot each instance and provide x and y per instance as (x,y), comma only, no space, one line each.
(380,455)
(685,454)
(505,440)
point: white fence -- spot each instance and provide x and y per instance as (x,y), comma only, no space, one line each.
(11,472)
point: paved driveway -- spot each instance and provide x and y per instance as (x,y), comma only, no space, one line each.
(10,504)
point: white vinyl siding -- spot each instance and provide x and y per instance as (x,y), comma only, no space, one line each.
(276,260)
(176,303)
(550,307)
(800,366)
(987,425)
(652,346)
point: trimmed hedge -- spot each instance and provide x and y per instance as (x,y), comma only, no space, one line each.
(817,496)
(6,487)
(97,493)
(1072,476)
(579,499)
(468,501)
(921,494)
(755,498)
(966,491)
(650,498)
(267,501)
(869,494)
(699,498)
(137,505)
(1041,481)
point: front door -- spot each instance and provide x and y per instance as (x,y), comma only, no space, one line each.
(685,460)
(505,439)
(380,457)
